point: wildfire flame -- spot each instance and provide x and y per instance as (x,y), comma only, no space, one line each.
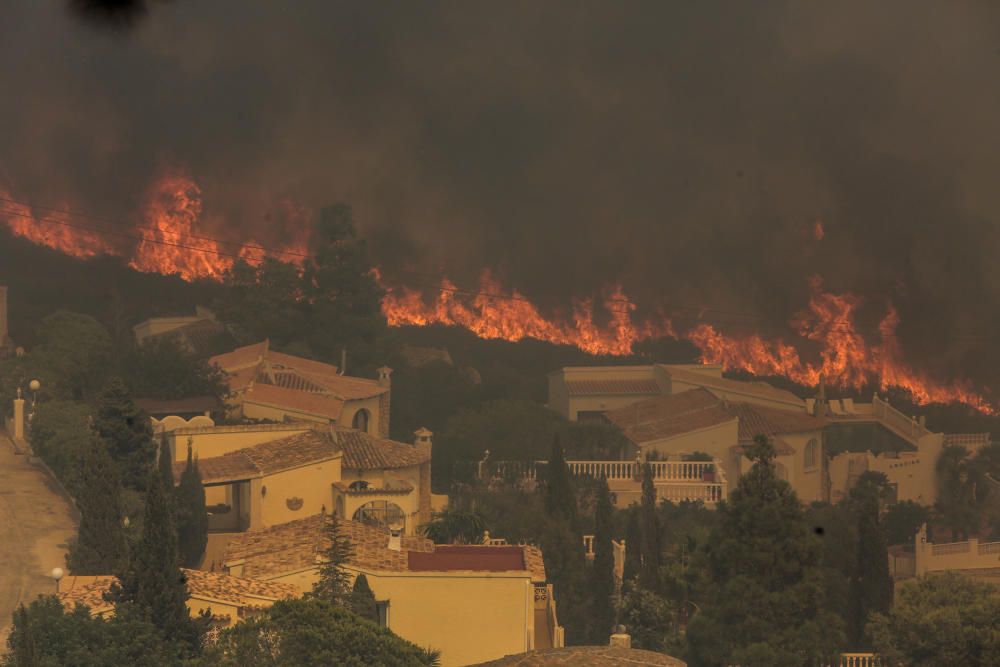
(169,243)
(493,312)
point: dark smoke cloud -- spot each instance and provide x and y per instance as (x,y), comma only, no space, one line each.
(685,149)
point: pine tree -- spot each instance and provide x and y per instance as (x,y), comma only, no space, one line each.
(560,500)
(334,580)
(633,545)
(192,516)
(765,604)
(165,463)
(871,587)
(363,600)
(100,546)
(127,431)
(649,575)
(21,642)
(153,582)
(603,571)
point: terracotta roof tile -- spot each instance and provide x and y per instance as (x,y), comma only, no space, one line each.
(238,591)
(760,420)
(320,405)
(593,656)
(759,389)
(241,357)
(295,546)
(266,458)
(611,387)
(363,451)
(668,416)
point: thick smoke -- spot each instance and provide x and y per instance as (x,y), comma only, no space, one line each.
(684,149)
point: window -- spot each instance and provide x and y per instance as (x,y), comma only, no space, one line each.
(360,485)
(360,420)
(381,513)
(811,454)
(383,613)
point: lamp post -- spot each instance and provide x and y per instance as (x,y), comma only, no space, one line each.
(57,574)
(34,386)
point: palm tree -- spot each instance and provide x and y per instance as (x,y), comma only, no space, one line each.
(956,503)
(455,526)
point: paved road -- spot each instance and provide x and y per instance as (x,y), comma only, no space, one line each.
(35,524)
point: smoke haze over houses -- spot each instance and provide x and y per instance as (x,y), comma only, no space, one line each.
(684,150)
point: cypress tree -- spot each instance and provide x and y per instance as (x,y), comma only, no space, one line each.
(165,463)
(871,587)
(127,431)
(334,582)
(765,603)
(192,516)
(633,545)
(603,571)
(23,652)
(100,546)
(363,600)
(153,581)
(560,500)
(649,575)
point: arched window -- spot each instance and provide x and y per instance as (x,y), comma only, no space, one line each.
(380,513)
(360,421)
(811,454)
(359,485)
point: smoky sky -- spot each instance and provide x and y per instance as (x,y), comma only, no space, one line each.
(685,150)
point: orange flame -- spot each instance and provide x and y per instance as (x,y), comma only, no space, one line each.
(55,229)
(171,245)
(494,313)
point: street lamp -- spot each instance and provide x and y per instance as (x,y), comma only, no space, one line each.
(57,574)
(34,386)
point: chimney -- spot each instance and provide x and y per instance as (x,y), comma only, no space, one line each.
(620,638)
(343,361)
(385,376)
(395,537)
(422,438)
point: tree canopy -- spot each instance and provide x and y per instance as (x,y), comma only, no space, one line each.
(312,632)
(945,620)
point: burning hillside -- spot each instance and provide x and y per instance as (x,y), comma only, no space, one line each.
(170,241)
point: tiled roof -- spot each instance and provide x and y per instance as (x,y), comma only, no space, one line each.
(320,405)
(668,416)
(758,389)
(219,586)
(241,357)
(612,387)
(307,366)
(974,440)
(297,545)
(760,420)
(294,546)
(265,458)
(366,452)
(593,656)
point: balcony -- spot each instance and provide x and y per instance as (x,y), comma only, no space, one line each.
(676,481)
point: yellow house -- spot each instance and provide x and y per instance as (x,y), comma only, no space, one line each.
(697,420)
(311,470)
(585,392)
(229,599)
(472,603)
(268,385)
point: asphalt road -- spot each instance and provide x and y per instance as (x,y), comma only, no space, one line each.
(35,524)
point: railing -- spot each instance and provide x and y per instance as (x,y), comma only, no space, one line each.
(663,471)
(989,548)
(950,548)
(588,545)
(859,660)
(908,427)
